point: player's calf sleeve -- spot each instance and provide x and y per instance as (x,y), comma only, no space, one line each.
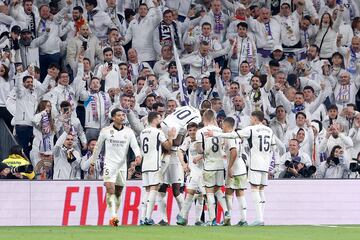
(257,202)
(221,199)
(111,202)
(262,196)
(199,207)
(143,205)
(211,205)
(162,205)
(229,199)
(150,203)
(242,206)
(186,206)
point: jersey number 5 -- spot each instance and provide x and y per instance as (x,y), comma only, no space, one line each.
(264,143)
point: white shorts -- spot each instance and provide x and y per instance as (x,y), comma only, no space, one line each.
(258,178)
(173,174)
(213,178)
(115,176)
(195,182)
(151,178)
(237,182)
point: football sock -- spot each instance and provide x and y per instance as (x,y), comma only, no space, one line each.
(199,208)
(110,201)
(262,196)
(221,199)
(162,205)
(211,205)
(187,205)
(180,201)
(229,199)
(143,205)
(242,207)
(150,203)
(257,202)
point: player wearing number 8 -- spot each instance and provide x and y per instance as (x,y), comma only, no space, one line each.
(261,142)
(214,156)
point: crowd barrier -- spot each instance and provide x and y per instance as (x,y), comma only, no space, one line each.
(63,203)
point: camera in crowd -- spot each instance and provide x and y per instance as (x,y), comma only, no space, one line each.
(304,172)
(355,167)
(9,172)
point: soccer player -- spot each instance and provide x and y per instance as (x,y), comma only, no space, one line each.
(151,140)
(117,139)
(261,140)
(213,175)
(194,183)
(173,173)
(236,174)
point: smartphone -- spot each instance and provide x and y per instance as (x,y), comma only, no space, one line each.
(110,65)
(66,109)
(84,45)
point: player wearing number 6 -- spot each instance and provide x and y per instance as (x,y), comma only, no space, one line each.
(213,174)
(152,139)
(261,141)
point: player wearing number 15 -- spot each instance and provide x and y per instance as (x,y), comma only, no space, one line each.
(261,141)
(213,175)
(117,139)
(152,139)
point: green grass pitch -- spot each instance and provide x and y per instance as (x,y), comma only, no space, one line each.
(347,232)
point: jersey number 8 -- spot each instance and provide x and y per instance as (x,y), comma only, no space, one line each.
(215,144)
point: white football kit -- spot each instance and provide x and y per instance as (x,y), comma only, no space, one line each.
(260,139)
(172,170)
(151,139)
(214,156)
(194,180)
(239,179)
(117,143)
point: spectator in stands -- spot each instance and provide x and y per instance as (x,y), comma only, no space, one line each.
(336,166)
(85,162)
(66,158)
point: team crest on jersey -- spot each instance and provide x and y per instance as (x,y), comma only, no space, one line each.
(112,133)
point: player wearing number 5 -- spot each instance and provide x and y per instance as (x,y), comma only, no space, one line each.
(213,175)
(117,139)
(152,139)
(261,141)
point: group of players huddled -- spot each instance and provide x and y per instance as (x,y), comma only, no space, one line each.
(189,142)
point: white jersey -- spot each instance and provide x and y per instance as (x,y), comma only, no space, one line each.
(183,116)
(117,143)
(190,147)
(151,139)
(239,166)
(214,154)
(260,139)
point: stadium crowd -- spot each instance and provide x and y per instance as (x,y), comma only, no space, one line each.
(65,65)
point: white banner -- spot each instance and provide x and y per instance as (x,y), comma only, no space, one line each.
(288,202)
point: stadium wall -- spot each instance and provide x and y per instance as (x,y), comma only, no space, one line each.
(62,203)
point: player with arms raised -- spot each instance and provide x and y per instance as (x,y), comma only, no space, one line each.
(213,175)
(117,139)
(261,140)
(151,140)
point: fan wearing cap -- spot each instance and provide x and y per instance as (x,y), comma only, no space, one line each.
(170,79)
(279,56)
(290,32)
